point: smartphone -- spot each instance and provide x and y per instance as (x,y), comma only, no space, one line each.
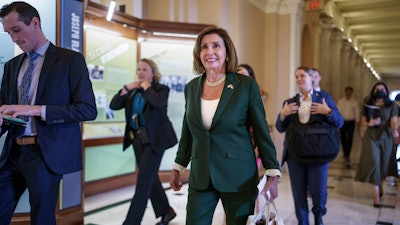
(13,121)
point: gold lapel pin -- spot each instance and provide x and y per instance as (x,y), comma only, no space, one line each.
(230,86)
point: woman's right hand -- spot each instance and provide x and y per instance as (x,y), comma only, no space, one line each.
(174,180)
(288,109)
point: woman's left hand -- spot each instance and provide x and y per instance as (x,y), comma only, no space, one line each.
(320,108)
(174,180)
(145,84)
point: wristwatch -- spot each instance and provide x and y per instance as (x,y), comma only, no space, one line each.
(126,88)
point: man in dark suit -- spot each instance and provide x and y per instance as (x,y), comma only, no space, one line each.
(59,96)
(316,79)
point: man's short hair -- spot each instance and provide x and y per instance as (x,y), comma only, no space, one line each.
(349,88)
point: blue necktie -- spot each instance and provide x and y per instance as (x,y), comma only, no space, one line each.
(26,81)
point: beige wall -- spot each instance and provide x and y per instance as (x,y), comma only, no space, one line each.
(392,83)
(253,31)
(132,7)
(264,40)
(271,42)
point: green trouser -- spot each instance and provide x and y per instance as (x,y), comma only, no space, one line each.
(237,206)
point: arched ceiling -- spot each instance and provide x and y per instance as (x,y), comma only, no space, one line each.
(374,27)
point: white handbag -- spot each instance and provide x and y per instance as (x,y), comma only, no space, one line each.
(266,214)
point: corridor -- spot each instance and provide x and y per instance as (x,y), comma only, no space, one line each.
(349,202)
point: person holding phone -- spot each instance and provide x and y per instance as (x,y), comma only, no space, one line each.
(49,88)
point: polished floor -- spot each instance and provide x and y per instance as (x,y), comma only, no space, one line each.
(349,202)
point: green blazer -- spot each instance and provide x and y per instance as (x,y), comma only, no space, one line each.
(224,153)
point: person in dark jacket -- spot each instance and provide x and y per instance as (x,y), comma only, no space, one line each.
(48,88)
(150,131)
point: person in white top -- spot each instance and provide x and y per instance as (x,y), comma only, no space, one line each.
(350,111)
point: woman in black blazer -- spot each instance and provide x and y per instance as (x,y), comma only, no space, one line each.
(150,131)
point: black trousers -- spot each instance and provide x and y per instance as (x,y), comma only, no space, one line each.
(346,135)
(148,185)
(392,168)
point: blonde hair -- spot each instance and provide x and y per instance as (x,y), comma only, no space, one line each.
(154,69)
(231,56)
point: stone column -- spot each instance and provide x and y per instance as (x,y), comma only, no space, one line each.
(356,75)
(282,45)
(334,77)
(345,65)
(324,51)
(353,59)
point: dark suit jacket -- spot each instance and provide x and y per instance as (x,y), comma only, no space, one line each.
(65,88)
(334,118)
(224,153)
(160,131)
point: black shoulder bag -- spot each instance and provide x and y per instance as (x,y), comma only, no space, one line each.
(315,142)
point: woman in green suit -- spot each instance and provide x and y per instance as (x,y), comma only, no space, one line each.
(220,107)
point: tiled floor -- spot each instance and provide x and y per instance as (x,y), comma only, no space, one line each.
(349,202)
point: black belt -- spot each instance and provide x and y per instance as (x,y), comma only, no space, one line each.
(31,140)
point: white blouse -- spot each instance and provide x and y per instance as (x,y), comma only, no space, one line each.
(208,109)
(305,108)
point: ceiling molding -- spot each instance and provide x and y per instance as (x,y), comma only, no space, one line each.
(278,6)
(374,28)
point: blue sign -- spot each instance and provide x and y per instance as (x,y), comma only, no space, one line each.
(72,25)
(71,17)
